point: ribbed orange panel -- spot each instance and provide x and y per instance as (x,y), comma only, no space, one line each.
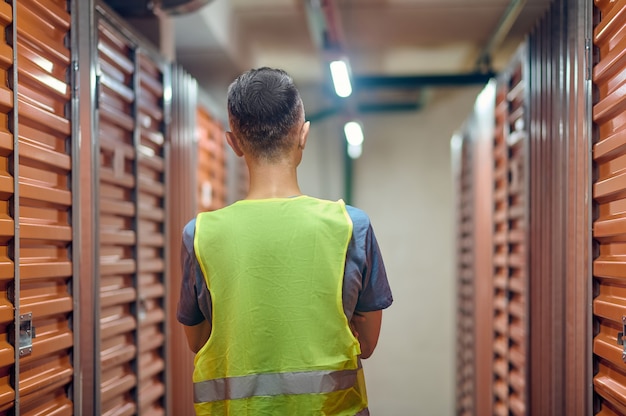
(7,275)
(151,238)
(500,258)
(211,162)
(118,232)
(45,203)
(465,374)
(510,275)
(516,242)
(609,192)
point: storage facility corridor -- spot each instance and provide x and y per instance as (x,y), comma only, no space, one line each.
(492,166)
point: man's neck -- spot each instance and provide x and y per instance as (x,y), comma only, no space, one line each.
(273,181)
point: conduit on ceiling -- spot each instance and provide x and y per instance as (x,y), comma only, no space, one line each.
(327,34)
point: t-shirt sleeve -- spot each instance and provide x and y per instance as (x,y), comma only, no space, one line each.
(376,292)
(366,287)
(188,311)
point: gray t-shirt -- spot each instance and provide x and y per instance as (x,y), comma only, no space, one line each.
(365,284)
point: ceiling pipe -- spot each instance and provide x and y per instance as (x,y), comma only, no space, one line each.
(327,33)
(328,36)
(416,81)
(512,12)
(372,107)
(365,108)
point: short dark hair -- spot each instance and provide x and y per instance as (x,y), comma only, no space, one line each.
(264,107)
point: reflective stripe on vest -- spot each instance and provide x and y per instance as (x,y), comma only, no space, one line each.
(304,382)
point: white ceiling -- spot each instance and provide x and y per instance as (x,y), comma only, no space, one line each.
(381,37)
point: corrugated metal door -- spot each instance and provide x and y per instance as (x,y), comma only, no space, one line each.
(132,224)
(7,225)
(500,259)
(45,204)
(465,374)
(609,192)
(117,376)
(472,150)
(510,277)
(152,228)
(540,155)
(211,162)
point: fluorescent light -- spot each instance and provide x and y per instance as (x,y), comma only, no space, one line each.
(355,151)
(341,78)
(354,133)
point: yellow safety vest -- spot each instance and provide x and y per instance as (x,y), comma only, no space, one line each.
(280,341)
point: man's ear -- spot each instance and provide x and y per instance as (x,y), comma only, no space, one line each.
(234,143)
(304,134)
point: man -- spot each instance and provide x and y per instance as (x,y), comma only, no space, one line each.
(282,293)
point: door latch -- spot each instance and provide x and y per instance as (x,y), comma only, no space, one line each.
(25,344)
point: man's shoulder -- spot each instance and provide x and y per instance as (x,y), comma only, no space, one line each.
(360,219)
(357,213)
(189,231)
(190,227)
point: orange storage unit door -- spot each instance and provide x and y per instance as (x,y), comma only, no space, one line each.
(117,226)
(132,224)
(510,280)
(151,228)
(7,225)
(211,162)
(472,151)
(465,307)
(609,193)
(45,204)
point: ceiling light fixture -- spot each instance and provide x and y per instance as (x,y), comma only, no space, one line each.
(354,133)
(341,78)
(355,151)
(354,137)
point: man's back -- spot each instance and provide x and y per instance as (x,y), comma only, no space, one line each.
(280,338)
